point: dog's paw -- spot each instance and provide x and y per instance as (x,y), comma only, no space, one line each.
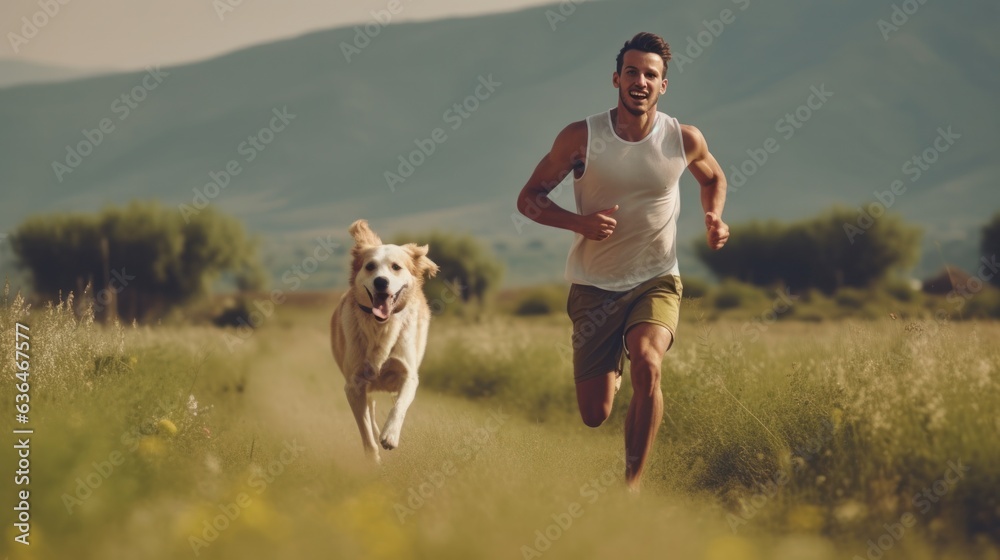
(390,437)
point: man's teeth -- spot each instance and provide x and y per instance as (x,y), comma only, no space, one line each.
(636,95)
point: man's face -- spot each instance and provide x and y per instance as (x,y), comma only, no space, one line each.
(641,81)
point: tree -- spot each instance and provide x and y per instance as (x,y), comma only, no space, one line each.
(990,244)
(469,271)
(815,253)
(139,260)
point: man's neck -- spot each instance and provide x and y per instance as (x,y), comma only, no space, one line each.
(632,127)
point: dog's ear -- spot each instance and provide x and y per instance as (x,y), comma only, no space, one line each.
(421,263)
(363,235)
(364,238)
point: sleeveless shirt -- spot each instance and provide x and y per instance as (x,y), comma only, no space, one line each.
(642,179)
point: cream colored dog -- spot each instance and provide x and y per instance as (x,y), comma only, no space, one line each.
(379,330)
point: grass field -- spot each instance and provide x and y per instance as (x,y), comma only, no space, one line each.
(793,440)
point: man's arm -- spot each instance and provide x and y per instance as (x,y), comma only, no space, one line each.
(563,158)
(708,173)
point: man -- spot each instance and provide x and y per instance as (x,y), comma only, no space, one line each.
(625,293)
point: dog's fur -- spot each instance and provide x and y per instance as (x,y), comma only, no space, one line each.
(380,349)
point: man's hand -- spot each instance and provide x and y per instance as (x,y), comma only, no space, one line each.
(597,226)
(708,172)
(718,231)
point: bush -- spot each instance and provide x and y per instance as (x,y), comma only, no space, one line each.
(140,260)
(822,252)
(470,272)
(850,298)
(694,287)
(990,244)
(901,291)
(983,305)
(534,305)
(235,314)
(731,295)
(541,301)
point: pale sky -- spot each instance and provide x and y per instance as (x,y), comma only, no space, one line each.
(129,34)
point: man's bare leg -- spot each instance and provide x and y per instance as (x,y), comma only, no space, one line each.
(647,343)
(595,397)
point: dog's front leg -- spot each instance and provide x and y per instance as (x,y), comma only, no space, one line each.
(369,372)
(394,423)
(357,397)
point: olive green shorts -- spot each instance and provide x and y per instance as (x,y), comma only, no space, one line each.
(601,319)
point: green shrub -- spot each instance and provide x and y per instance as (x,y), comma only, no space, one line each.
(850,298)
(990,243)
(901,291)
(731,294)
(541,301)
(825,252)
(142,260)
(694,287)
(983,305)
(469,271)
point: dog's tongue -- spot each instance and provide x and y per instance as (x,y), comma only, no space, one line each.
(380,307)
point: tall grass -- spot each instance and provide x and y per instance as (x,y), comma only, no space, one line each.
(849,417)
(794,441)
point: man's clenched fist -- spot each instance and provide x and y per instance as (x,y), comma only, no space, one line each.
(718,231)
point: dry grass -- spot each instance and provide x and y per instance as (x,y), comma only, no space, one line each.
(801,441)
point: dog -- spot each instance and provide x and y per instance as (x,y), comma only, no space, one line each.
(379,330)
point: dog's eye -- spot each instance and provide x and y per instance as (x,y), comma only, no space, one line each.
(396,267)
(370,266)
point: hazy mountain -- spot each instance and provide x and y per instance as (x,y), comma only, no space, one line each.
(347,122)
(15,72)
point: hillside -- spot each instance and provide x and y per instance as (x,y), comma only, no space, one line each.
(14,72)
(348,122)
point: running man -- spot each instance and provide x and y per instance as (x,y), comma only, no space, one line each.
(626,290)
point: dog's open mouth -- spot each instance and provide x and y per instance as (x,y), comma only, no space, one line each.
(383,303)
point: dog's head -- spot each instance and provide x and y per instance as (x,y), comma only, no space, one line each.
(384,276)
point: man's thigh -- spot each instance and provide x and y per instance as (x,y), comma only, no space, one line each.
(598,327)
(653,316)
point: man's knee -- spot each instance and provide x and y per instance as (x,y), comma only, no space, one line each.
(646,366)
(595,414)
(595,396)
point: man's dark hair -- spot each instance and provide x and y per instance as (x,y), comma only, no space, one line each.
(646,42)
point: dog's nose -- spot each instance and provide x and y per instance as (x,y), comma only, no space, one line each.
(381,284)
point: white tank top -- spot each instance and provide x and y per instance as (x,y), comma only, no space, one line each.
(642,179)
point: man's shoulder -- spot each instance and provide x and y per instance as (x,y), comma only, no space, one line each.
(692,136)
(573,135)
(587,121)
(581,127)
(670,119)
